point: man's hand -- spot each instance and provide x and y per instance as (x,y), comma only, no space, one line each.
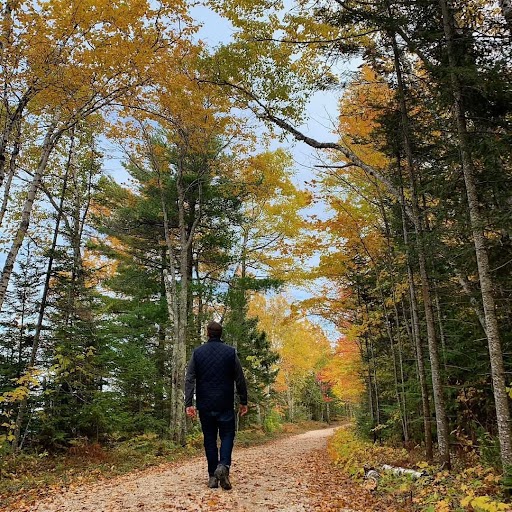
(243,410)
(191,412)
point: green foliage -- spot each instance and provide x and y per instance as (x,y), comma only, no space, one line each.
(254,350)
(312,398)
(507,480)
(149,443)
(273,421)
(489,449)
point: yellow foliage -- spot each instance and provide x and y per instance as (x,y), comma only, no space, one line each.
(18,394)
(302,346)
(344,369)
(23,384)
(443,506)
(68,59)
(485,504)
(471,488)
(358,115)
(305,350)
(272,205)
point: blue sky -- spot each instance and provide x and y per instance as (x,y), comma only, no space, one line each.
(320,122)
(321,109)
(320,118)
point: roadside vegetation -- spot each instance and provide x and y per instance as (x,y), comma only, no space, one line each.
(473,484)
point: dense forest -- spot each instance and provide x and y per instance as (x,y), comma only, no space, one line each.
(107,285)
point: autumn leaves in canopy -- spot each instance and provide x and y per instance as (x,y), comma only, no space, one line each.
(412,253)
(106,288)
(418,180)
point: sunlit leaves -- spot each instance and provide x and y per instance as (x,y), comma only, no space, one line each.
(304,350)
(80,55)
(344,370)
(272,205)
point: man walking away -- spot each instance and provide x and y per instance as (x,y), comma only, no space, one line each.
(213,370)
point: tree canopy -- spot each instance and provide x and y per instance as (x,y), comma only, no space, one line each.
(375,284)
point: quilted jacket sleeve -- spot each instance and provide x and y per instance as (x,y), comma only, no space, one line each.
(190,382)
(241,384)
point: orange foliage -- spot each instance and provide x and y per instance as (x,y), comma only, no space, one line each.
(343,371)
(359,113)
(302,345)
(304,349)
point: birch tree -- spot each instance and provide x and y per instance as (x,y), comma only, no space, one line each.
(62,62)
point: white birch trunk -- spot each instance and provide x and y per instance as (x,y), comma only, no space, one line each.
(12,170)
(177,298)
(50,140)
(16,444)
(501,398)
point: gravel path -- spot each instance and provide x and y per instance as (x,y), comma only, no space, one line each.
(278,476)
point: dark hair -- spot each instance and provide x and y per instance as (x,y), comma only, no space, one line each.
(214,329)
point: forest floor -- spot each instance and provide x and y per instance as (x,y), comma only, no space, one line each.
(292,474)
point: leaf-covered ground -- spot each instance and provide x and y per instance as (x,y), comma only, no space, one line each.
(290,475)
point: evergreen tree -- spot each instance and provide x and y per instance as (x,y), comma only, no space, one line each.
(254,350)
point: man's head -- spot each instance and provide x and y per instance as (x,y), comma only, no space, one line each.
(214,330)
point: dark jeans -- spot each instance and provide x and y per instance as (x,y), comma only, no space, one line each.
(221,423)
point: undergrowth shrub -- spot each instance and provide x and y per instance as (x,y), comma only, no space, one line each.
(489,448)
(273,422)
(353,453)
(149,443)
(81,448)
(476,488)
(194,437)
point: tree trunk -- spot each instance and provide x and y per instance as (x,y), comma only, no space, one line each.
(399,396)
(12,170)
(21,330)
(477,227)
(477,308)
(289,399)
(178,297)
(46,288)
(50,140)
(402,377)
(172,309)
(77,277)
(416,336)
(181,341)
(375,383)
(440,323)
(437,385)
(160,351)
(506,10)
(200,301)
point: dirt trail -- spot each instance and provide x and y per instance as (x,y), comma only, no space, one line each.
(281,475)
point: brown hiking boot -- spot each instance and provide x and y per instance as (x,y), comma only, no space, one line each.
(222,474)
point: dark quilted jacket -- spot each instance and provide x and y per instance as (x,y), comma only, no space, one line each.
(213,370)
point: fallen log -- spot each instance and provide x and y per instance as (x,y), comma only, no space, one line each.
(372,476)
(404,471)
